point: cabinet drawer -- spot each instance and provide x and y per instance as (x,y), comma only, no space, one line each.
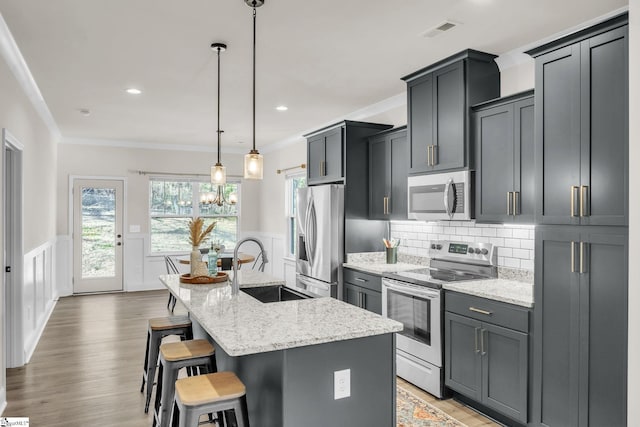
(364,280)
(489,311)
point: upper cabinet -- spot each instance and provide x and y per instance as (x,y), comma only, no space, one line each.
(439,97)
(582,97)
(339,154)
(388,159)
(504,146)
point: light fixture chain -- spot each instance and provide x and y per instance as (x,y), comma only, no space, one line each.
(218,49)
(254,76)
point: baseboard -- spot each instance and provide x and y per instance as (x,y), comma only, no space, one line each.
(144,286)
(3,399)
(31,345)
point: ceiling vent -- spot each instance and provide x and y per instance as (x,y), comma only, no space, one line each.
(439,29)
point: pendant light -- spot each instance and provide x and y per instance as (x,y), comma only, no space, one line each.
(218,172)
(253,162)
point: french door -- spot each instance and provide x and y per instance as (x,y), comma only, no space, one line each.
(97,235)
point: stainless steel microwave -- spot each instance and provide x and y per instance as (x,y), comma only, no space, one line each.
(441,196)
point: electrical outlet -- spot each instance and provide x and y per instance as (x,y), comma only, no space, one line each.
(342,384)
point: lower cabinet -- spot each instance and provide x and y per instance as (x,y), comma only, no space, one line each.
(363,290)
(487,353)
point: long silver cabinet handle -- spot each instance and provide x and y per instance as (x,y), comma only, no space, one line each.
(584,247)
(434,155)
(508,202)
(516,211)
(482,346)
(574,189)
(583,199)
(359,279)
(475,336)
(479,310)
(573,257)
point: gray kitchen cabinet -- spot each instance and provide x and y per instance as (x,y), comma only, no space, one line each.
(363,290)
(438,99)
(504,147)
(487,353)
(582,127)
(580,327)
(388,159)
(339,154)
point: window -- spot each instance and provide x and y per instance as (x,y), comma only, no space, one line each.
(173,203)
(292,183)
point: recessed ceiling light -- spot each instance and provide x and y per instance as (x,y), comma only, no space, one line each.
(240,142)
(85,111)
(282,108)
(134,91)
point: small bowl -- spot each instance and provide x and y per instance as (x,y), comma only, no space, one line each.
(204,251)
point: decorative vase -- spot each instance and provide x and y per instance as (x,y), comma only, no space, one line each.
(198,267)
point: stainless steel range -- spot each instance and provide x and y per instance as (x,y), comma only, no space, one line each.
(415,298)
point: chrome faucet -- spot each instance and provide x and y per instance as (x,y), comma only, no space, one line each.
(235,286)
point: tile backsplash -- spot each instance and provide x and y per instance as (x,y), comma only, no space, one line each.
(515,242)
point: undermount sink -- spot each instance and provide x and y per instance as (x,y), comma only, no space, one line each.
(273,293)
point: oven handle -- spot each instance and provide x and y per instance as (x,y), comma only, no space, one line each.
(410,290)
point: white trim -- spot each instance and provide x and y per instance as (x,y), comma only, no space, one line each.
(123,143)
(18,66)
(30,346)
(14,293)
(3,399)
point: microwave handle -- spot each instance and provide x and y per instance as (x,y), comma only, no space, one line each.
(448,195)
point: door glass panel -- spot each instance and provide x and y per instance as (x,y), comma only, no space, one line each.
(413,312)
(98,232)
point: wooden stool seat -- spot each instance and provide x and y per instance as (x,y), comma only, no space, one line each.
(221,392)
(162,323)
(182,350)
(209,388)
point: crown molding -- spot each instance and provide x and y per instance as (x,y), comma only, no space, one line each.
(122,143)
(15,61)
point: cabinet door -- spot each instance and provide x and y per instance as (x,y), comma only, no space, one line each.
(449,117)
(556,330)
(558,133)
(379,177)
(524,165)
(371,300)
(399,160)
(494,140)
(333,170)
(420,127)
(505,370)
(352,294)
(316,158)
(603,338)
(605,104)
(463,369)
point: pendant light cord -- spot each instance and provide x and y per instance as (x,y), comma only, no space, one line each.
(254,77)
(219,131)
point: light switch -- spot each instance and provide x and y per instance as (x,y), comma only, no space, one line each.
(341,384)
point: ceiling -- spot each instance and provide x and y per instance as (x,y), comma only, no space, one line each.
(322,59)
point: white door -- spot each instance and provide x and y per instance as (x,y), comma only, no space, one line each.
(97,235)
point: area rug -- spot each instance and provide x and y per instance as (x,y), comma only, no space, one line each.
(415,412)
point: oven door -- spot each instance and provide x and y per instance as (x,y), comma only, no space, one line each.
(418,309)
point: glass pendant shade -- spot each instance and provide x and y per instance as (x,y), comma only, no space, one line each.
(218,174)
(253,165)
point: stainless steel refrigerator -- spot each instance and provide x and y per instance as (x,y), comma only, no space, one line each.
(320,240)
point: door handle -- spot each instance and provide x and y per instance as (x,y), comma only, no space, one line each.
(573,190)
(516,211)
(364,300)
(429,154)
(478,310)
(482,346)
(385,205)
(119,236)
(509,202)
(573,257)
(119,244)
(584,247)
(475,337)
(583,198)
(434,155)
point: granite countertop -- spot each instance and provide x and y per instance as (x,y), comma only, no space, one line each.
(242,325)
(509,291)
(381,267)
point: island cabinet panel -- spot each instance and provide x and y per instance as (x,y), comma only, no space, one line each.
(388,158)
(487,353)
(363,290)
(582,128)
(504,146)
(580,344)
(438,99)
(295,387)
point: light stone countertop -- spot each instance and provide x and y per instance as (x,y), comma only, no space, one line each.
(381,267)
(509,291)
(242,325)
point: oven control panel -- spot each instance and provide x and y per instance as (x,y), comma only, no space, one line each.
(477,253)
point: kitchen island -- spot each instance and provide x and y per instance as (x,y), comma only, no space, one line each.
(287,352)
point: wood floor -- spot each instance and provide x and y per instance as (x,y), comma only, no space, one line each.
(86,370)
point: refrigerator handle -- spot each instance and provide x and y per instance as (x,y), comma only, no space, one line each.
(312,231)
(307,233)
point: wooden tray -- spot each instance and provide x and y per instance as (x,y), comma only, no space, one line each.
(204,280)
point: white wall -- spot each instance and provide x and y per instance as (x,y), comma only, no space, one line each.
(634,213)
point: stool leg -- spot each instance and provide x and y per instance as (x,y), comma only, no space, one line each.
(151,366)
(156,406)
(146,362)
(188,418)
(169,377)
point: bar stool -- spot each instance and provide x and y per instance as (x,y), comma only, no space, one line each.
(159,328)
(173,357)
(204,394)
